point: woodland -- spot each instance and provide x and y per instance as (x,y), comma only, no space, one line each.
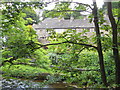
(70,57)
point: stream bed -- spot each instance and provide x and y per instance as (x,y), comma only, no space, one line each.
(20,84)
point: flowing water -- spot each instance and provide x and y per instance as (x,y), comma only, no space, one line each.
(18,84)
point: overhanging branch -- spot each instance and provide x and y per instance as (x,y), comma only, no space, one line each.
(9,61)
(67,11)
(41,45)
(72,2)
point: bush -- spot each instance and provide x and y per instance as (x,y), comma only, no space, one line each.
(86,60)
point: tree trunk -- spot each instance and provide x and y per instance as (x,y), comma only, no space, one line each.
(118,24)
(99,49)
(114,40)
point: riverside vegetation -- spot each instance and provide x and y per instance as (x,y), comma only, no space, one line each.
(70,57)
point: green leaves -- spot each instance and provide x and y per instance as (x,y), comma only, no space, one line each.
(62,6)
(17,35)
(65,10)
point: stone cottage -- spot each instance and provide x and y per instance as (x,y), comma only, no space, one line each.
(60,25)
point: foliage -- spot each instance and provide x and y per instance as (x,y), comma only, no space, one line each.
(42,59)
(87,60)
(67,59)
(23,71)
(31,16)
(64,10)
(18,39)
(59,6)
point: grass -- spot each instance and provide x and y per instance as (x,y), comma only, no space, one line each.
(24,71)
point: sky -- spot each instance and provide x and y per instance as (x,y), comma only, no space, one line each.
(99,2)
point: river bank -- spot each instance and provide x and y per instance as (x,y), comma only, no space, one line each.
(10,82)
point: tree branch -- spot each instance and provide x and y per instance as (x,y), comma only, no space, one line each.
(74,69)
(71,2)
(66,11)
(24,64)
(10,61)
(66,42)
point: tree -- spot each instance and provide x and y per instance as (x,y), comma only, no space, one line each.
(18,39)
(99,45)
(31,16)
(23,41)
(63,10)
(98,35)
(114,41)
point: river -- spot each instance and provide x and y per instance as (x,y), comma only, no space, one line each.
(18,84)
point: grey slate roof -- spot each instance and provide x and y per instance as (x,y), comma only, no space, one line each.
(55,23)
